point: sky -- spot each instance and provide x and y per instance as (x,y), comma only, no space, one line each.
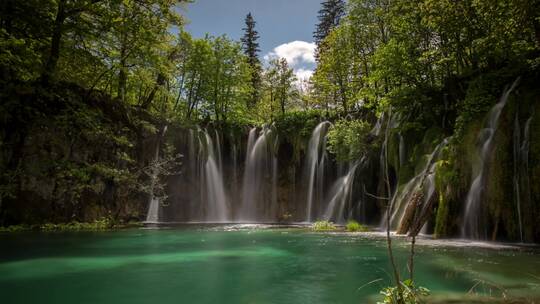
(285,26)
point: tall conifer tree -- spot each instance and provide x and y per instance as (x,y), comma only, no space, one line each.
(251,50)
(329,17)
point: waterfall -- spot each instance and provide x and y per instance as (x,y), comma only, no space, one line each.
(209,200)
(472,222)
(153,211)
(383,157)
(234,170)
(217,209)
(516,178)
(218,148)
(314,167)
(152,216)
(521,167)
(378,126)
(341,196)
(402,196)
(524,161)
(402,152)
(259,188)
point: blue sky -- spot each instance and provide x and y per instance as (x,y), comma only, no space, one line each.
(285,26)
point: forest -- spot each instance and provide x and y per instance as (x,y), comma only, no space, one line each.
(421,118)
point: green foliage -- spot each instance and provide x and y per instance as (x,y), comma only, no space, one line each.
(215,78)
(348,139)
(298,123)
(354,226)
(323,226)
(329,17)
(101,224)
(482,93)
(445,177)
(336,65)
(407,294)
(14,228)
(279,91)
(295,127)
(104,224)
(383,53)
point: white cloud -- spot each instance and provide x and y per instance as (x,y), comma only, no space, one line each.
(300,56)
(303,74)
(295,52)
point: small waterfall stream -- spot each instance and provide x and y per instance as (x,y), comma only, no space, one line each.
(402,151)
(521,168)
(259,188)
(341,196)
(424,181)
(235,195)
(209,199)
(314,168)
(473,225)
(152,216)
(217,209)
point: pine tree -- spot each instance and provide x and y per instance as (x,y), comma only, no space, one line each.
(251,50)
(329,17)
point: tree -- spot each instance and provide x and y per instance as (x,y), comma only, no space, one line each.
(280,80)
(329,17)
(251,50)
(65,10)
(335,74)
(213,78)
(140,37)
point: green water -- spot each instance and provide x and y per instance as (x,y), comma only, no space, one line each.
(210,265)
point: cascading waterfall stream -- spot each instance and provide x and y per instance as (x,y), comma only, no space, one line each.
(209,200)
(341,195)
(401,197)
(516,178)
(473,226)
(152,216)
(315,165)
(383,160)
(521,167)
(402,152)
(217,210)
(218,156)
(260,177)
(234,171)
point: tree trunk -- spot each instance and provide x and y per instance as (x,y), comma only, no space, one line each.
(409,216)
(122,75)
(423,217)
(122,82)
(54,53)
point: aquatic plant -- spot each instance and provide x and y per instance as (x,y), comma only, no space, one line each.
(354,226)
(408,294)
(323,226)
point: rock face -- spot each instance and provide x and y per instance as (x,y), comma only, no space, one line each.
(509,188)
(69,156)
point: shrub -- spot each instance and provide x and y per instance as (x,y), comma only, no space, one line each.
(354,226)
(347,139)
(410,294)
(323,226)
(101,224)
(14,228)
(296,127)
